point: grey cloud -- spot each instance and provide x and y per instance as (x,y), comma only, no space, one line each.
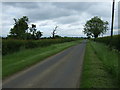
(27,5)
(44,11)
(40,11)
(77,6)
(43,24)
(72,13)
(67,20)
(102,9)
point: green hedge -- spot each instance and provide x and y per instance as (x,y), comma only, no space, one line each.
(114,42)
(12,45)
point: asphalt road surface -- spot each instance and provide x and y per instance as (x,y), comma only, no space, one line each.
(62,70)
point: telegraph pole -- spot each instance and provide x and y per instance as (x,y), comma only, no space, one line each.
(113,6)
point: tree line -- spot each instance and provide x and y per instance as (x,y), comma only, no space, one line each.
(21,30)
(93,28)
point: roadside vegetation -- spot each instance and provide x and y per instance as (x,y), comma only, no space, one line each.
(101,65)
(112,43)
(100,69)
(13,45)
(18,61)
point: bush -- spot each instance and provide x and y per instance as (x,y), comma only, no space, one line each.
(114,42)
(9,46)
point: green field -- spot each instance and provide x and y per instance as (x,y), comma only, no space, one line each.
(15,62)
(100,69)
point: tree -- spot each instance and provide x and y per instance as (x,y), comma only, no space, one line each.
(33,29)
(20,28)
(54,31)
(95,27)
(35,34)
(38,34)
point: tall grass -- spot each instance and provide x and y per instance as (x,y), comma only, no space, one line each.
(100,69)
(114,44)
(109,58)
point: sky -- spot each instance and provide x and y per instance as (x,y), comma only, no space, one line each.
(70,17)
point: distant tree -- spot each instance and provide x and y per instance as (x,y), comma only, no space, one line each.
(54,31)
(33,31)
(57,36)
(38,34)
(95,27)
(20,28)
(35,34)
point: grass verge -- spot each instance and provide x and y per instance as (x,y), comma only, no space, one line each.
(100,69)
(18,61)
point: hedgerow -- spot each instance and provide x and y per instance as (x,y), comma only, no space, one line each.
(113,42)
(12,45)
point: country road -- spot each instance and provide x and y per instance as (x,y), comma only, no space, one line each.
(62,70)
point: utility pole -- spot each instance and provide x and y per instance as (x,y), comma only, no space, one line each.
(113,6)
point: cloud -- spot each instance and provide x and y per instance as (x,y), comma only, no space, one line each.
(68,19)
(69,16)
(27,5)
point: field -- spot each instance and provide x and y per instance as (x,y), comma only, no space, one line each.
(15,62)
(100,68)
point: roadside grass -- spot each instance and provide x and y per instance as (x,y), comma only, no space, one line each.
(18,61)
(100,69)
